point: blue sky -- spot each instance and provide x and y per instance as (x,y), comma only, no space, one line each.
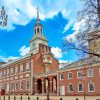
(58,18)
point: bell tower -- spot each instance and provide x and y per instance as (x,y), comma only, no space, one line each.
(38,37)
(38,27)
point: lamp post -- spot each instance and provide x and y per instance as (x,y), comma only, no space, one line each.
(84,77)
(48,93)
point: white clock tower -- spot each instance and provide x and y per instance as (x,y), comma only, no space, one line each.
(38,35)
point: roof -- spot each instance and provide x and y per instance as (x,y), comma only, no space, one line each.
(16,60)
(80,63)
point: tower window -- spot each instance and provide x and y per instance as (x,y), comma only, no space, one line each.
(37,30)
(41,30)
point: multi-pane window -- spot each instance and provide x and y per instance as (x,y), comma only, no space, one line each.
(79,74)
(8,71)
(69,75)
(21,85)
(61,76)
(70,88)
(0,74)
(27,66)
(16,85)
(80,88)
(27,84)
(21,68)
(2,86)
(16,69)
(5,86)
(5,72)
(11,86)
(90,72)
(11,70)
(90,87)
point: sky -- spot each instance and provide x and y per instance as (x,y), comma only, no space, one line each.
(59,20)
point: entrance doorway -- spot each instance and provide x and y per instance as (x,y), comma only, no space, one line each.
(39,86)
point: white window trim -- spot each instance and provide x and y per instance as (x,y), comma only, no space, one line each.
(16,72)
(68,75)
(78,72)
(21,66)
(82,87)
(60,76)
(8,71)
(12,84)
(17,85)
(26,85)
(27,68)
(11,70)
(88,73)
(69,89)
(20,85)
(89,88)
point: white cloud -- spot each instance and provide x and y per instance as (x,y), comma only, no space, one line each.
(63,63)
(79,24)
(57,52)
(68,25)
(76,28)
(5,59)
(24,50)
(21,12)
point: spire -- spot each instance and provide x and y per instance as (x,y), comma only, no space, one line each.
(38,20)
(37,13)
(38,29)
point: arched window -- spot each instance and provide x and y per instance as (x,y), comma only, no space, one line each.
(41,30)
(37,30)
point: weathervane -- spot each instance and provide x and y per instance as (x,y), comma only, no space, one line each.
(3,17)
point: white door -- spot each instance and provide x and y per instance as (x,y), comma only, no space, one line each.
(62,90)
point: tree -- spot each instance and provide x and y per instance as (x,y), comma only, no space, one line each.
(87,40)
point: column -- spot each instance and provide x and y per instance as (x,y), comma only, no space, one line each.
(42,87)
(50,86)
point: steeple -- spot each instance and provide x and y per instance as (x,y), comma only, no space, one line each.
(38,29)
(38,20)
(38,37)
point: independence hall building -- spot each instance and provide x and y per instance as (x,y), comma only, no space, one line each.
(38,71)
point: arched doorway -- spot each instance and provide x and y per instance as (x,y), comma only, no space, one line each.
(54,84)
(39,86)
(46,85)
